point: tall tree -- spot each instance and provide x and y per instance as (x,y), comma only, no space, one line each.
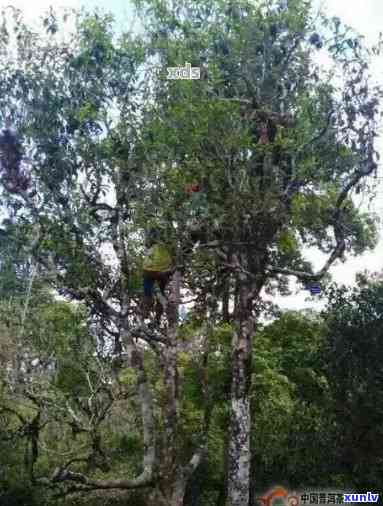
(279,144)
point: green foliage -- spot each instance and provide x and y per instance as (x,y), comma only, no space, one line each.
(287,375)
(354,368)
(71,378)
(128,376)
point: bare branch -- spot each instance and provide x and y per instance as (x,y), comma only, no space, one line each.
(145,479)
(303,275)
(339,231)
(319,135)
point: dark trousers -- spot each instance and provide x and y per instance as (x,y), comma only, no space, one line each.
(149,278)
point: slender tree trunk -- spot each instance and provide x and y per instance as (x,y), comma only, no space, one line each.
(240,423)
(226,300)
(178,493)
(170,404)
(174,475)
(222,497)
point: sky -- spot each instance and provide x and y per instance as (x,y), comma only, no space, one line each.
(367,18)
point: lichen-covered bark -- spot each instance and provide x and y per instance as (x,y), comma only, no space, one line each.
(170,401)
(239,469)
(240,422)
(240,425)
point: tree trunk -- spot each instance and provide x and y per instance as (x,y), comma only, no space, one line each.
(174,476)
(174,492)
(226,300)
(171,495)
(240,423)
(178,493)
(170,401)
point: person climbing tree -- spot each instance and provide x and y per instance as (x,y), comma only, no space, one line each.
(196,209)
(270,160)
(193,188)
(157,267)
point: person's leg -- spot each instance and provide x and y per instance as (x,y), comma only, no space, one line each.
(148,293)
(163,280)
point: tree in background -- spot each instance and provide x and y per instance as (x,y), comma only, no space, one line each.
(277,144)
(353,357)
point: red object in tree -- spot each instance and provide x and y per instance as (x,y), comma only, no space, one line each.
(264,136)
(192,188)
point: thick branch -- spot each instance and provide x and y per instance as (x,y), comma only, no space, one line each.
(143,332)
(145,479)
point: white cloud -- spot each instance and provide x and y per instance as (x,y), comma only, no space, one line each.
(366,16)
